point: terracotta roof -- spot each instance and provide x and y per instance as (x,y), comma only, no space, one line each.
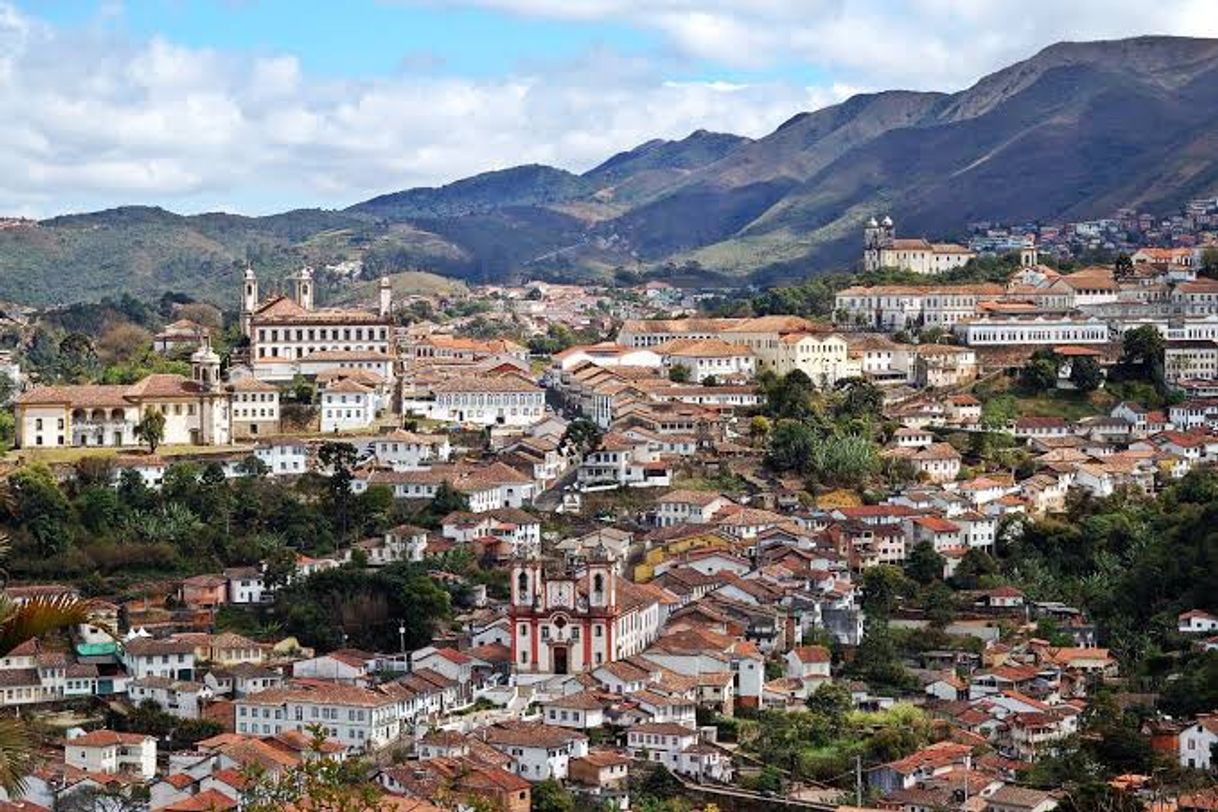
(108,738)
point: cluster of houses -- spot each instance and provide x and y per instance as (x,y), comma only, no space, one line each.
(1040,307)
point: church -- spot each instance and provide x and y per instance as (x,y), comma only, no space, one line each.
(289,336)
(580,617)
(882,249)
(198,410)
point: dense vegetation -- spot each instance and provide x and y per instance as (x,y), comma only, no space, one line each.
(110,534)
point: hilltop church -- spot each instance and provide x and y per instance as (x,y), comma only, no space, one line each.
(882,249)
(289,336)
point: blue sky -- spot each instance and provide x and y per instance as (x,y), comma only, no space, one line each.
(261,105)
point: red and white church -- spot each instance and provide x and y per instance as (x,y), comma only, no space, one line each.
(579,618)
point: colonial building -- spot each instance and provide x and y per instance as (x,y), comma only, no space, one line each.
(197,410)
(882,249)
(579,618)
(288,335)
(500,400)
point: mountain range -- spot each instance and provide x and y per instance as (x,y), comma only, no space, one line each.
(1076,131)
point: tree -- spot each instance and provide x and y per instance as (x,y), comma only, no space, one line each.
(122,343)
(40,507)
(759,427)
(77,359)
(582,434)
(1209,261)
(20,623)
(339,458)
(678,373)
(1122,266)
(1039,374)
(1142,346)
(151,428)
(319,783)
(8,388)
(924,565)
(549,796)
(448,500)
(279,567)
(883,587)
(974,565)
(792,445)
(860,398)
(998,412)
(1086,374)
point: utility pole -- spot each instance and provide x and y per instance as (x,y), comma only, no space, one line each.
(858,780)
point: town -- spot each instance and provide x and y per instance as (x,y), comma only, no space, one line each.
(945,545)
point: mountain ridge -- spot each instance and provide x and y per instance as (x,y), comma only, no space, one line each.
(1076,130)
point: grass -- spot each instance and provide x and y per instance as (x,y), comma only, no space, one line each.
(1067,405)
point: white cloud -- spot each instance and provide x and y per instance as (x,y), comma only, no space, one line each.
(922,44)
(93,119)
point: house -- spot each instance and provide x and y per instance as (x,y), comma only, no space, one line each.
(181,699)
(808,662)
(1197,742)
(358,718)
(1003,597)
(1197,621)
(937,462)
(680,749)
(928,762)
(348,666)
(1012,798)
(108,752)
(602,777)
(708,358)
(584,710)
(204,591)
(148,657)
(348,406)
(539,751)
(246,586)
(688,507)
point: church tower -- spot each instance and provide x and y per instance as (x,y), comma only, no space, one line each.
(527,601)
(205,366)
(876,237)
(602,585)
(1029,256)
(386,301)
(303,281)
(249,301)
(213,405)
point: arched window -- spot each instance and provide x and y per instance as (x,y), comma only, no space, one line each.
(598,583)
(522,583)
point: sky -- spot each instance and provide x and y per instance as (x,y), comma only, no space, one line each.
(257,106)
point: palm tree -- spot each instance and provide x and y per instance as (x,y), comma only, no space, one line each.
(19,623)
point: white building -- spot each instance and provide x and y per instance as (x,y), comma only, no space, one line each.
(703,358)
(882,249)
(105,751)
(1197,743)
(284,330)
(502,400)
(680,750)
(197,410)
(994,331)
(359,718)
(539,752)
(181,699)
(148,657)
(348,406)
